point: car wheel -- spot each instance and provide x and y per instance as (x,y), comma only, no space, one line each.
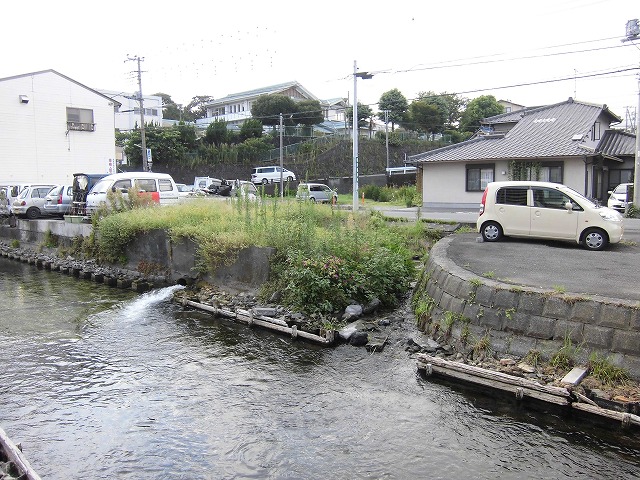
(594,239)
(265,181)
(33,212)
(289,179)
(491,232)
(312,199)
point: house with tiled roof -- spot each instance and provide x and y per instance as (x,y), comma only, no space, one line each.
(570,142)
(236,107)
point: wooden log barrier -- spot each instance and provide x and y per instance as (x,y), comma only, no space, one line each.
(520,387)
(14,455)
(247,317)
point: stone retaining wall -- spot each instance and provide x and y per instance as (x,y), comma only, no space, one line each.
(153,255)
(519,319)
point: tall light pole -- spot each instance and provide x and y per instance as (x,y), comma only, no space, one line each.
(354,122)
(633,33)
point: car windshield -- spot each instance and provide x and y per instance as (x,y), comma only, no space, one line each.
(582,198)
(621,189)
(101,186)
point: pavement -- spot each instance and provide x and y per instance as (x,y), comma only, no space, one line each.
(557,266)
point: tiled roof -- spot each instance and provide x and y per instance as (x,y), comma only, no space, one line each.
(547,131)
(616,143)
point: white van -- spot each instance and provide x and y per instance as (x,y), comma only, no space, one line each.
(13,189)
(161,186)
(546,210)
(271,174)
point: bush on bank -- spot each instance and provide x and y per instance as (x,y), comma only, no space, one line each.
(325,258)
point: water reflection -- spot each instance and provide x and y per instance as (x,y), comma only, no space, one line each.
(103,383)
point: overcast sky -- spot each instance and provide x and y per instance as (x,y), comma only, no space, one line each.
(217,48)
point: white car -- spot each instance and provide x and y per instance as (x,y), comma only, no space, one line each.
(30,202)
(618,197)
(546,210)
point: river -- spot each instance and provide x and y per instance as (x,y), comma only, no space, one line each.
(105,383)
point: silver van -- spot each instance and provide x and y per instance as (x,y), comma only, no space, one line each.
(271,174)
(546,210)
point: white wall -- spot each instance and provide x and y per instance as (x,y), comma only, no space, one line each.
(126,118)
(35,145)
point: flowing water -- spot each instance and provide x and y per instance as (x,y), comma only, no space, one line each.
(104,383)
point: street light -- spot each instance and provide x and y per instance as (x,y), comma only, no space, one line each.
(354,122)
(633,33)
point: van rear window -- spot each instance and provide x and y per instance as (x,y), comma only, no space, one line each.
(512,196)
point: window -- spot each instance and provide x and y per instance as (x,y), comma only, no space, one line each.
(165,185)
(512,196)
(616,177)
(595,131)
(80,119)
(146,185)
(550,198)
(478,176)
(540,172)
(120,184)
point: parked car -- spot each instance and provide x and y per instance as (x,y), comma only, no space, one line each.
(59,200)
(184,190)
(546,210)
(30,202)
(271,174)
(618,197)
(161,186)
(316,192)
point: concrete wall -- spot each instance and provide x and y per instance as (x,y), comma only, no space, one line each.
(154,254)
(520,319)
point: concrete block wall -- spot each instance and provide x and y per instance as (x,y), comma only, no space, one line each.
(519,319)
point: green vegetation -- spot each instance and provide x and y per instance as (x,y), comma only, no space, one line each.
(565,357)
(559,288)
(605,371)
(324,257)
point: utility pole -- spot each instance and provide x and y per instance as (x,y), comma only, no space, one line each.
(145,160)
(281,160)
(386,135)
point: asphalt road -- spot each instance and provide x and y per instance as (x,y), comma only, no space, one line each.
(553,265)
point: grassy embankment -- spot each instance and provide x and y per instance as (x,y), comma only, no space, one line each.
(326,257)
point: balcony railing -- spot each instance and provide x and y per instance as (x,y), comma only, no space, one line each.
(82,127)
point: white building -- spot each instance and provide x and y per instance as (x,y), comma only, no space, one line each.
(52,127)
(128,114)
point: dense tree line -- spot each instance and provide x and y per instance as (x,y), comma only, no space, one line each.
(429,113)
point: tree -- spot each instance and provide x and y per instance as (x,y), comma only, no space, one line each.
(196,108)
(170,109)
(451,105)
(216,133)
(426,117)
(477,109)
(395,103)
(309,113)
(251,128)
(364,113)
(267,109)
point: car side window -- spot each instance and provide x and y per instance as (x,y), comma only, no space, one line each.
(165,185)
(147,185)
(126,184)
(550,198)
(512,196)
